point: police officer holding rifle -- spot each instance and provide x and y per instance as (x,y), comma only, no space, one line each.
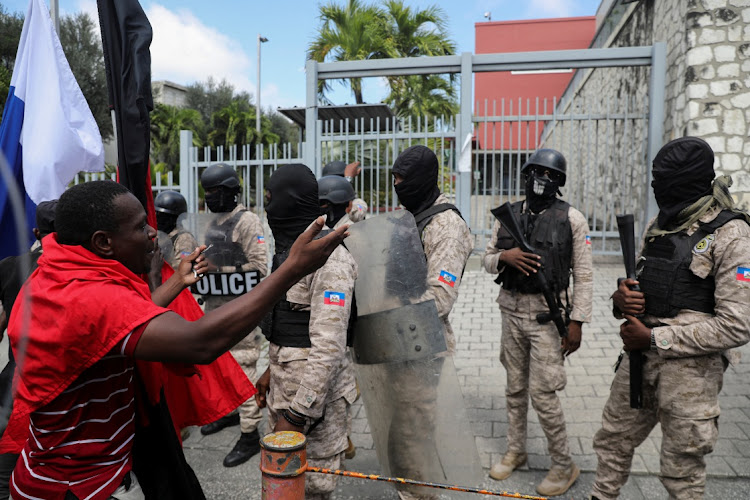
(541,317)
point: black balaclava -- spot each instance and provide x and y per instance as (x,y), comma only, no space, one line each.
(166,222)
(334,213)
(223,199)
(540,191)
(294,204)
(418,190)
(683,171)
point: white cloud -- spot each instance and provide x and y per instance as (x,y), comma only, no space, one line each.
(550,8)
(184,50)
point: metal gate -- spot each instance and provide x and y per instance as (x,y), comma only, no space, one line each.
(608,144)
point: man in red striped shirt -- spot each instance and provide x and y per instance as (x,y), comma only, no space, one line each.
(91,318)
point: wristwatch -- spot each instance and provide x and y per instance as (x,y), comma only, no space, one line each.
(349,178)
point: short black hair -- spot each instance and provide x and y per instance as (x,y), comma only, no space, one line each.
(85,209)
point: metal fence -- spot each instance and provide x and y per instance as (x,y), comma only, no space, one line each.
(603,145)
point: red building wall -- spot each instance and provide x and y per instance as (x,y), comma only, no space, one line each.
(490,89)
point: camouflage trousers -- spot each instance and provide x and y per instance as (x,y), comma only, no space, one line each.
(246,353)
(329,434)
(682,395)
(533,361)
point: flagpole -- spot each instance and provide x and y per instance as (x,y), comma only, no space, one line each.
(55,13)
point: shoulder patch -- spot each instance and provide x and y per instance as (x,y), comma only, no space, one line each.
(743,274)
(447,278)
(261,239)
(334,298)
(703,244)
(588,239)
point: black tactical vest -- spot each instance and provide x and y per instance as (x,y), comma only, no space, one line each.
(287,327)
(664,271)
(224,251)
(552,238)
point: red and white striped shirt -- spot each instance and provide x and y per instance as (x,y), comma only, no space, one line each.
(81,441)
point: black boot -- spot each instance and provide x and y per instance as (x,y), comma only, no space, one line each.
(247,446)
(225,421)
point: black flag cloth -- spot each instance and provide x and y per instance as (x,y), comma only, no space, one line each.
(126,37)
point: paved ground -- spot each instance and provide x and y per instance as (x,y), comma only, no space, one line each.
(476,320)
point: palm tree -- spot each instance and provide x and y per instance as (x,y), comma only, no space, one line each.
(420,96)
(415,33)
(235,124)
(166,123)
(351,33)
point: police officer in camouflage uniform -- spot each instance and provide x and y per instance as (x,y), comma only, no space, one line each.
(310,380)
(447,244)
(533,353)
(693,308)
(168,206)
(358,209)
(239,228)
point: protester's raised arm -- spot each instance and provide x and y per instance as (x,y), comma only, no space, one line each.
(169,337)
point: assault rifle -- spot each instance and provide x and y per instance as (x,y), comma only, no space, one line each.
(504,213)
(625,226)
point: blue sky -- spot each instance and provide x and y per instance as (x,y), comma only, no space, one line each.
(194,39)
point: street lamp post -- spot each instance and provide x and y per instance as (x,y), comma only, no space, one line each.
(261,39)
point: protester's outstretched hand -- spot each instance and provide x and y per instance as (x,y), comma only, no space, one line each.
(192,266)
(308,254)
(523,261)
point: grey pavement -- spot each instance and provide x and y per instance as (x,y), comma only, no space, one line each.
(476,321)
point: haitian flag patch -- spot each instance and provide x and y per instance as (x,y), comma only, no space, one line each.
(447,278)
(334,298)
(588,239)
(743,273)
(261,239)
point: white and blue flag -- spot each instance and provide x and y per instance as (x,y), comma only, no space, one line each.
(47,133)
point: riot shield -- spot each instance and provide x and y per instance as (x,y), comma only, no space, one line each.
(225,279)
(407,378)
(165,245)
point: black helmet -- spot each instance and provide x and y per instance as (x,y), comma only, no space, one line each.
(220,174)
(170,202)
(335,189)
(334,168)
(549,158)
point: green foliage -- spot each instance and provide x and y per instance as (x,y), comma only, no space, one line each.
(210,96)
(10,32)
(166,123)
(359,31)
(350,33)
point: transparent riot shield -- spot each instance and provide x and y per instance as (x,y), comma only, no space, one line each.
(408,380)
(226,278)
(165,245)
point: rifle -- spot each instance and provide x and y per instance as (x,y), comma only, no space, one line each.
(504,213)
(625,226)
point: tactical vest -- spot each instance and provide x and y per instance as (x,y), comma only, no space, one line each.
(552,238)
(224,251)
(287,327)
(664,271)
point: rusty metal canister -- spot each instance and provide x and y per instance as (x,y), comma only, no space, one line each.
(283,460)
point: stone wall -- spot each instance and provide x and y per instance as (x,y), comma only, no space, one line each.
(717,85)
(707,95)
